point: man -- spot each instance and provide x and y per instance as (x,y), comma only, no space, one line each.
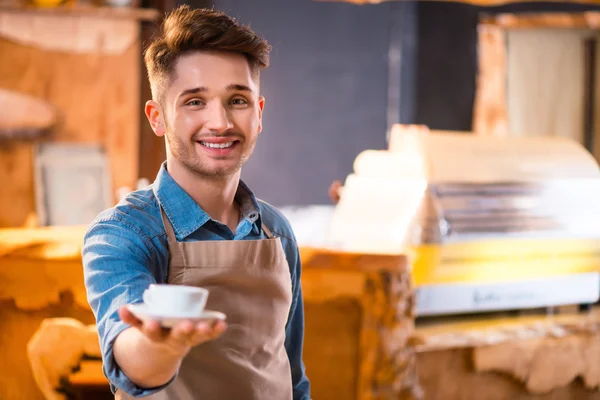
(198,224)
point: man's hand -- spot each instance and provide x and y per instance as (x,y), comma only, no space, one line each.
(179,339)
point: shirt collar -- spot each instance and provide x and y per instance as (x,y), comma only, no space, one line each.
(187,216)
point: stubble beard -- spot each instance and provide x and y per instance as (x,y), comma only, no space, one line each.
(187,156)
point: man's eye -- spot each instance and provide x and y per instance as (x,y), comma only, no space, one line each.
(194,103)
(238,102)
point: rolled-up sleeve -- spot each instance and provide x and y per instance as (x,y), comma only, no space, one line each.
(295,327)
(119,264)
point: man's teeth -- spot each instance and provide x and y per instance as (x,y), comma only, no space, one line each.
(217,145)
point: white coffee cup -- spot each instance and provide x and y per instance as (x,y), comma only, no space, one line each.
(175,299)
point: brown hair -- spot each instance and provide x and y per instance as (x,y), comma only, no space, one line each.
(186,29)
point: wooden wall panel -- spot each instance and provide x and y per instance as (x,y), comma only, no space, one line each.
(16,184)
(98,96)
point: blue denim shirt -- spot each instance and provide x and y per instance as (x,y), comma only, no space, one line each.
(125,250)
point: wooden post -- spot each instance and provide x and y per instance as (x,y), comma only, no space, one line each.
(489,114)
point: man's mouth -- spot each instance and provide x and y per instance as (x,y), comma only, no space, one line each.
(217,145)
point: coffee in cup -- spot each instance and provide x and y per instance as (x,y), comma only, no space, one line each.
(175,299)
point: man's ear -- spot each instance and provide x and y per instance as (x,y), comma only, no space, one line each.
(155,116)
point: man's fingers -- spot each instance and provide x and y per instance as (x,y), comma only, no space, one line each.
(182,331)
(218,329)
(202,333)
(185,333)
(153,331)
(188,334)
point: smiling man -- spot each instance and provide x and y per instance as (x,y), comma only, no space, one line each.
(198,224)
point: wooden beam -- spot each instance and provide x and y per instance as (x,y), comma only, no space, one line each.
(485,3)
(143,14)
(584,20)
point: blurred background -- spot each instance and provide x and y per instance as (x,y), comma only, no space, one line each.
(438,161)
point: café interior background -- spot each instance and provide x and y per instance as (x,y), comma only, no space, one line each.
(341,77)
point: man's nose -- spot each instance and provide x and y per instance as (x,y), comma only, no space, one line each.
(217,118)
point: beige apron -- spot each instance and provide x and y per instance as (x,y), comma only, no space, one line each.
(249,281)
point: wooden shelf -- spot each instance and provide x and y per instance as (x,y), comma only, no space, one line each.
(26,117)
(483,3)
(142,14)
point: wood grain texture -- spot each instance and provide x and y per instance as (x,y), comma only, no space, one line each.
(321,286)
(490,117)
(449,375)
(24,117)
(544,364)
(17,198)
(98,96)
(37,265)
(381,284)
(325,259)
(41,277)
(35,284)
(388,362)
(496,328)
(52,357)
(89,383)
(332,347)
(16,329)
(523,357)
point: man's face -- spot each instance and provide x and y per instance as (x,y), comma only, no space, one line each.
(212,113)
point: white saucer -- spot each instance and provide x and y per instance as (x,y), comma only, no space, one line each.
(144,313)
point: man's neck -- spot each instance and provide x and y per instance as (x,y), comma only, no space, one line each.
(215,196)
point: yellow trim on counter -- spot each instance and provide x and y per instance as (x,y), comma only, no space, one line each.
(503,260)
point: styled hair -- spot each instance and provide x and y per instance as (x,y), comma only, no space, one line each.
(186,30)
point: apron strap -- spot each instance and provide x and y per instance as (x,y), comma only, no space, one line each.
(176,253)
(267,232)
(168,227)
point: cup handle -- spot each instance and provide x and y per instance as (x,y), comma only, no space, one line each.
(147,296)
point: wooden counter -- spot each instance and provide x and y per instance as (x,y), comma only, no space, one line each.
(531,356)
(359,323)
(358,311)
(40,277)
